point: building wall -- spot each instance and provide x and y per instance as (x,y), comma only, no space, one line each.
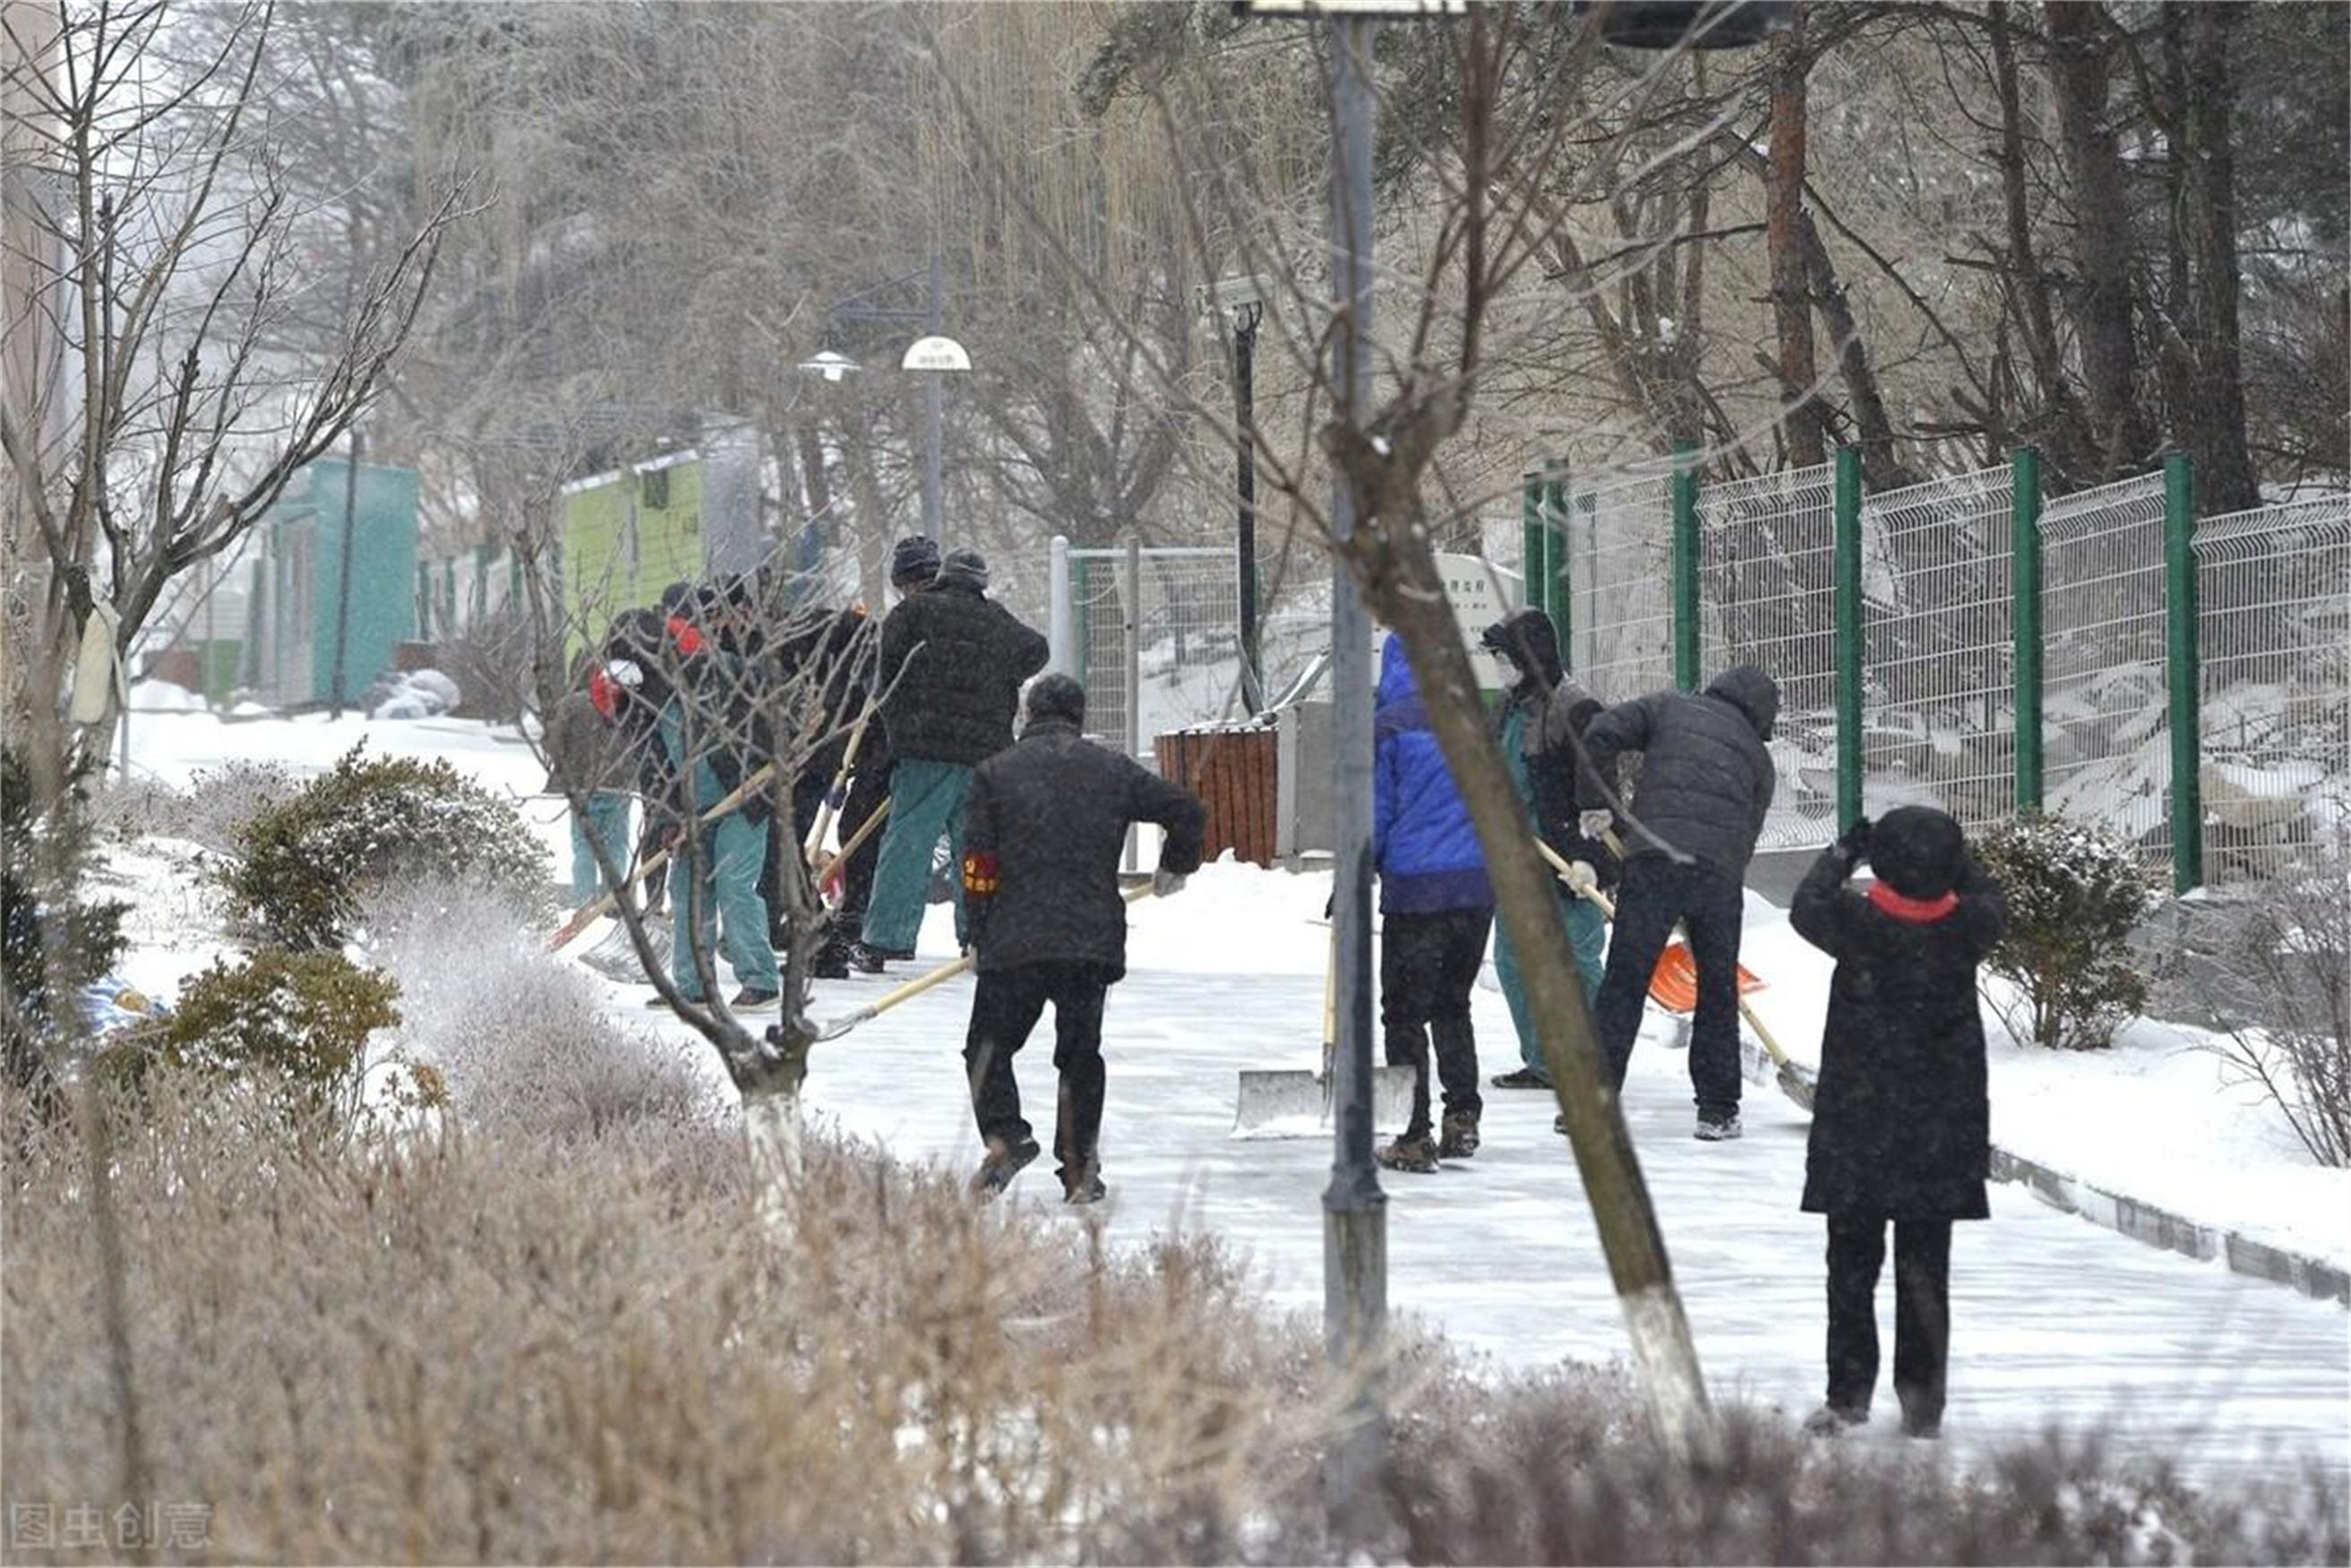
(381,613)
(624,542)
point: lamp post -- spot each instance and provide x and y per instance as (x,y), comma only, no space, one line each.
(931,353)
(1241,299)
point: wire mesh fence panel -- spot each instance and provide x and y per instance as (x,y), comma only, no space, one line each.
(2106,723)
(1187,642)
(1766,554)
(1619,541)
(1938,658)
(2275,638)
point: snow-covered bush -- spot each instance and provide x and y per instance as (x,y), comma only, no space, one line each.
(2283,1003)
(365,824)
(2075,894)
(292,1027)
(520,1037)
(410,694)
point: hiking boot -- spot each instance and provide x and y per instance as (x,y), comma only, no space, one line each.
(1830,1419)
(1522,1078)
(1718,1126)
(1458,1138)
(1004,1162)
(1559,1123)
(1415,1154)
(831,961)
(868,960)
(748,1000)
(1087,1188)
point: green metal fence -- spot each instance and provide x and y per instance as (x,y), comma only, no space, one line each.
(1970,644)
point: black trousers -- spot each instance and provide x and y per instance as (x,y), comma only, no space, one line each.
(808,797)
(1005,1007)
(1922,1311)
(869,788)
(1654,894)
(1427,964)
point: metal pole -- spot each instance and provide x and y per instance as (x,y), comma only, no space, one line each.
(1531,554)
(1134,624)
(2024,581)
(343,571)
(2180,627)
(1245,323)
(1846,600)
(1057,607)
(933,394)
(1354,1210)
(1685,566)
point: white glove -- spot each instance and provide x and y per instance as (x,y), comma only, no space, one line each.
(1582,880)
(1592,824)
(1166,883)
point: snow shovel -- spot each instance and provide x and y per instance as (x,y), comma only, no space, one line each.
(1292,1103)
(829,872)
(1668,989)
(837,793)
(588,913)
(834,1029)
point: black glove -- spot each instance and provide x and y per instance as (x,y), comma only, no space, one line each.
(1854,842)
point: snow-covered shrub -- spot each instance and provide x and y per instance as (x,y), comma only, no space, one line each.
(293,1027)
(2075,894)
(222,800)
(520,1036)
(52,942)
(2283,1000)
(366,822)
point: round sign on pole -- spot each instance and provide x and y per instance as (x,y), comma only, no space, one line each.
(935,354)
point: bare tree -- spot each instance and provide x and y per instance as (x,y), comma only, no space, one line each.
(153,239)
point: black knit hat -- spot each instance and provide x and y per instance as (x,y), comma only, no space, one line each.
(965,565)
(914,559)
(1916,851)
(1057,696)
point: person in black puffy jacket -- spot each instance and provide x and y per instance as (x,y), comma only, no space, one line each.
(1045,825)
(1706,782)
(952,664)
(1901,1121)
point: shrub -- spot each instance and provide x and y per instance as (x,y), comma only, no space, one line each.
(294,1025)
(2075,894)
(522,1040)
(52,943)
(2282,997)
(304,864)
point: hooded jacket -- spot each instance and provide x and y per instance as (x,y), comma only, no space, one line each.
(952,663)
(1537,715)
(1706,778)
(1044,826)
(1901,1120)
(1422,841)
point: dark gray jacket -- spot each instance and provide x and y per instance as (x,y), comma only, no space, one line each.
(1706,778)
(584,749)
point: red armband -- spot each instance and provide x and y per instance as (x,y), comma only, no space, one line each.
(980,874)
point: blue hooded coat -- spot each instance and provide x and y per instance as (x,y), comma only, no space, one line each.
(1422,841)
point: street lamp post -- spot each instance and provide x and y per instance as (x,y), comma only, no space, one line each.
(1242,300)
(932,353)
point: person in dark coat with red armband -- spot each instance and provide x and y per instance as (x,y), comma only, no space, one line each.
(1044,825)
(1901,1124)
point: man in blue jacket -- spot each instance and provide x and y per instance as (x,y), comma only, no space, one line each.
(1436,908)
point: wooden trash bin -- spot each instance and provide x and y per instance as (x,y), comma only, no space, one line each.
(1233,772)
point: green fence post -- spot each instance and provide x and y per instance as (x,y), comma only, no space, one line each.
(2180,625)
(2024,579)
(1554,593)
(1847,597)
(1531,554)
(1685,566)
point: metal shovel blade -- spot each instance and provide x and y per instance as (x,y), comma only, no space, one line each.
(1276,1104)
(615,958)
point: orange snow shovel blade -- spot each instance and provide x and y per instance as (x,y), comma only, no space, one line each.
(1674,985)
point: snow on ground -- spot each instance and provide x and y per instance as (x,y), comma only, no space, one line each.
(2055,1320)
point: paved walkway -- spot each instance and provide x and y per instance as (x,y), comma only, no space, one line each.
(2055,1320)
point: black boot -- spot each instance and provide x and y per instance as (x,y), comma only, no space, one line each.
(1004,1162)
(1458,1138)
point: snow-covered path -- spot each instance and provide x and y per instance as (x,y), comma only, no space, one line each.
(2055,1320)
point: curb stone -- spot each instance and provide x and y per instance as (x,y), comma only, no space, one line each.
(2145,1222)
